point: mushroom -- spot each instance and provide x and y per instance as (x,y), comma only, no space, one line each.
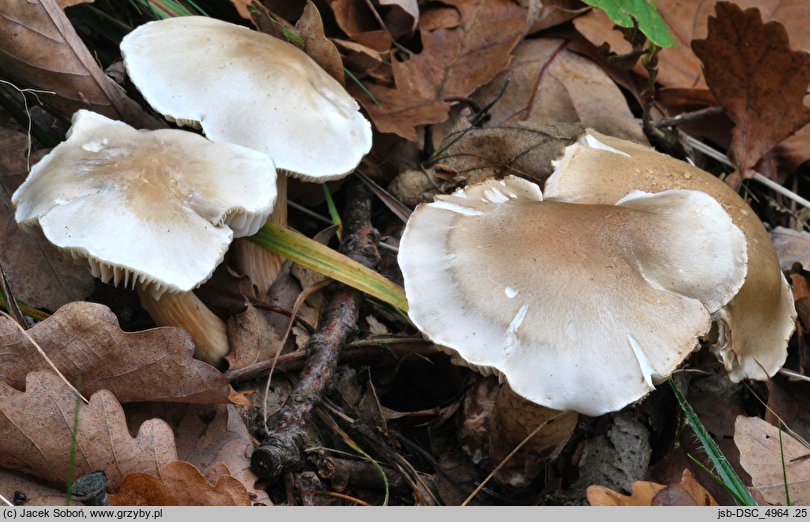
(249,88)
(152,209)
(578,307)
(755,326)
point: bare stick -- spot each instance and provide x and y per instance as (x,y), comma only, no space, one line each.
(282,449)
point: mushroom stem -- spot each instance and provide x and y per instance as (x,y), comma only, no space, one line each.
(260,265)
(515,418)
(185,310)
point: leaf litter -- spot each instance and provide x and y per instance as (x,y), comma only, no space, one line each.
(432,74)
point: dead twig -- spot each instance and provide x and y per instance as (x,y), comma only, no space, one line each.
(282,449)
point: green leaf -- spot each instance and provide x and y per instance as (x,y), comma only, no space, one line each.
(622,13)
(315,256)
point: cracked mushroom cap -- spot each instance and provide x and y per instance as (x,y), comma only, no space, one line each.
(758,322)
(246,87)
(579,307)
(157,208)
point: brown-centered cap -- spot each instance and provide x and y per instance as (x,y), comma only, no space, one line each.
(246,87)
(157,208)
(579,307)
(757,324)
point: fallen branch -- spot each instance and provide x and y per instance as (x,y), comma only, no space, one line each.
(281,449)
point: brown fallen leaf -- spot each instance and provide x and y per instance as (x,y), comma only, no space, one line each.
(85,342)
(252,338)
(761,457)
(757,78)
(38,273)
(179,484)
(359,23)
(549,84)
(402,17)
(687,19)
(792,246)
(642,494)
(456,58)
(361,59)
(213,438)
(316,45)
(39,48)
(788,401)
(36,429)
(36,493)
(687,492)
(472,155)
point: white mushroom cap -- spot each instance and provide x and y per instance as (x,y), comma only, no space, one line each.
(152,207)
(580,307)
(246,87)
(756,325)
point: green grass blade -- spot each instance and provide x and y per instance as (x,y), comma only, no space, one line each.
(784,469)
(315,256)
(730,480)
(39,315)
(333,211)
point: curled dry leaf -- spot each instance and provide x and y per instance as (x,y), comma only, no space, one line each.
(687,492)
(85,342)
(38,273)
(39,48)
(316,45)
(761,456)
(214,439)
(179,484)
(757,78)
(403,16)
(458,56)
(359,23)
(36,429)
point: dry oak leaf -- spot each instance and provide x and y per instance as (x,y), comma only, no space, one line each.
(761,457)
(756,78)
(85,342)
(212,438)
(36,493)
(38,273)
(179,484)
(36,429)
(39,48)
(456,58)
(687,492)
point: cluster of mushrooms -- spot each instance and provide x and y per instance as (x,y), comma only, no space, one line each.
(582,300)
(157,210)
